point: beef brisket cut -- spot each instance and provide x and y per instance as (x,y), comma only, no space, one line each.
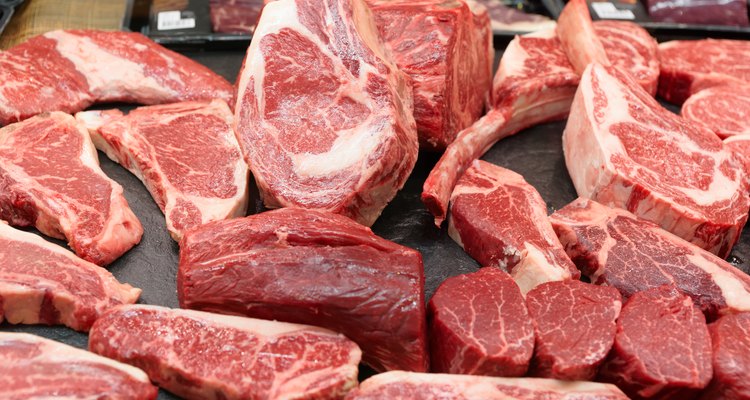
(400,385)
(316,268)
(723,109)
(501,221)
(42,283)
(50,178)
(185,153)
(479,325)
(200,355)
(323,116)
(623,149)
(730,337)
(689,66)
(32,367)
(68,70)
(574,324)
(615,248)
(446,48)
(662,348)
(535,83)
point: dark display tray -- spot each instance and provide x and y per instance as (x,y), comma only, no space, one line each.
(535,153)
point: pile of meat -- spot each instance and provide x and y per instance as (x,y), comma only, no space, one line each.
(623,293)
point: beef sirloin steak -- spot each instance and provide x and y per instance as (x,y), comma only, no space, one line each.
(623,149)
(323,116)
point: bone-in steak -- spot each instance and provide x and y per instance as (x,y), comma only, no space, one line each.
(730,338)
(615,248)
(32,367)
(446,48)
(400,385)
(200,355)
(311,267)
(623,149)
(50,178)
(479,325)
(323,116)
(68,70)
(42,283)
(689,66)
(723,109)
(185,153)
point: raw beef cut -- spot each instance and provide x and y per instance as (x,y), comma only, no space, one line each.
(446,48)
(32,367)
(578,36)
(574,323)
(615,248)
(535,83)
(504,18)
(501,221)
(701,12)
(42,283)
(730,337)
(400,385)
(185,153)
(68,70)
(740,147)
(689,66)
(311,267)
(723,109)
(207,356)
(623,149)
(50,178)
(235,16)
(323,116)
(662,348)
(479,325)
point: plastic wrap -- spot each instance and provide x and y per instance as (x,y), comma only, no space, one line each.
(700,12)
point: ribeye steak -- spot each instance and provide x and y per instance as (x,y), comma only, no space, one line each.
(730,339)
(723,109)
(446,49)
(68,70)
(311,267)
(739,146)
(323,116)
(623,149)
(201,355)
(50,178)
(689,66)
(501,221)
(479,325)
(42,283)
(615,248)
(32,367)
(662,348)
(400,385)
(574,324)
(185,153)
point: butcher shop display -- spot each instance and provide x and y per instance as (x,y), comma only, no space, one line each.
(311,267)
(185,153)
(32,367)
(71,70)
(50,179)
(200,355)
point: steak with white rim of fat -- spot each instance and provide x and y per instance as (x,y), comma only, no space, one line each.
(519,240)
(32,367)
(723,109)
(323,116)
(50,178)
(185,153)
(689,66)
(42,283)
(479,325)
(565,312)
(730,338)
(623,149)
(400,385)
(200,355)
(68,70)
(446,48)
(662,348)
(615,248)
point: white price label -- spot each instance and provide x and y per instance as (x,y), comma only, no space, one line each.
(606,10)
(168,20)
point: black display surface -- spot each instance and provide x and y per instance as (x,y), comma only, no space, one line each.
(535,153)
